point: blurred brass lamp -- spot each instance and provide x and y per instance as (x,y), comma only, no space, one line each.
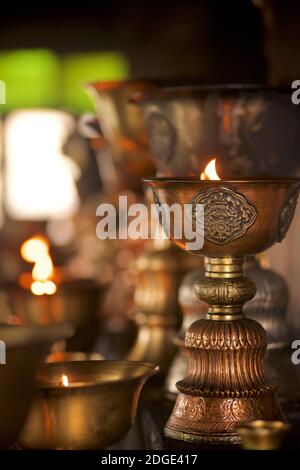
(76,301)
(226,382)
(156,310)
(84,404)
(123,128)
(26,347)
(192,309)
(263,435)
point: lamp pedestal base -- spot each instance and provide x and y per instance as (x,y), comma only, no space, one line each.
(226,383)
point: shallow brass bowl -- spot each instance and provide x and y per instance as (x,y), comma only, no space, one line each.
(263,435)
(26,347)
(94,412)
(270,202)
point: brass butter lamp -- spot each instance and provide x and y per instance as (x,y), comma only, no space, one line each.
(84,404)
(226,383)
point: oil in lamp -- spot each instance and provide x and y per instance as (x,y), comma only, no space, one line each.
(226,382)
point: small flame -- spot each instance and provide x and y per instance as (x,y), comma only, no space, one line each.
(36,250)
(210,172)
(64,380)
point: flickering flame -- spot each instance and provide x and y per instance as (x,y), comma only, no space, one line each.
(210,172)
(64,380)
(36,250)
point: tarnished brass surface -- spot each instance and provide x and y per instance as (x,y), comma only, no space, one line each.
(94,412)
(156,308)
(76,302)
(123,128)
(226,383)
(241,125)
(263,435)
(26,347)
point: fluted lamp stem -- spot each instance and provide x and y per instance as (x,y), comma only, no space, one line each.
(226,382)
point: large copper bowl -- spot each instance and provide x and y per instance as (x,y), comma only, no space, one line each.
(26,346)
(241,216)
(94,412)
(251,129)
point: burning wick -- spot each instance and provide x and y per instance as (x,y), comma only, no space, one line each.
(36,250)
(64,380)
(210,172)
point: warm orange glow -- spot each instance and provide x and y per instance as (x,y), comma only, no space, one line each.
(37,288)
(49,287)
(64,380)
(210,172)
(36,250)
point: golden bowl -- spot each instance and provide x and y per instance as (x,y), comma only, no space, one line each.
(263,435)
(94,412)
(26,347)
(241,216)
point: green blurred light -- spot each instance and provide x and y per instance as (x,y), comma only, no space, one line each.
(31,77)
(80,68)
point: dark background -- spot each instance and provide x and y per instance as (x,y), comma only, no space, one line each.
(217,41)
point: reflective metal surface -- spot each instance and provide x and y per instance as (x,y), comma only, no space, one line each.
(25,350)
(240,215)
(226,383)
(123,128)
(241,125)
(156,307)
(95,411)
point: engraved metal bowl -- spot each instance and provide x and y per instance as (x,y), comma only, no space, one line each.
(263,435)
(241,125)
(241,216)
(94,412)
(26,347)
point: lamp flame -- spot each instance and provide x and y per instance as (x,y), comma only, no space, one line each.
(64,380)
(210,172)
(36,250)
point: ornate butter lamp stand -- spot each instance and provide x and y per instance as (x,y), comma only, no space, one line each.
(226,383)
